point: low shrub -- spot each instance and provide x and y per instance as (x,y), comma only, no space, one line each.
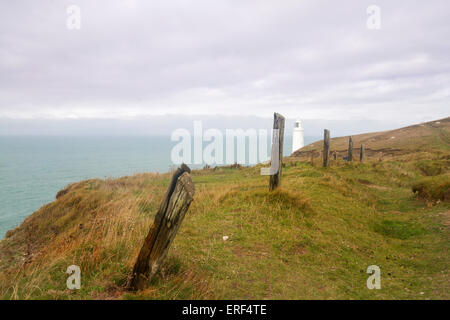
(433,188)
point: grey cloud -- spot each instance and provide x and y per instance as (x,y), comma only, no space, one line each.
(310,59)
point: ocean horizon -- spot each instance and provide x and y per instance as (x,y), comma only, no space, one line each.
(34,168)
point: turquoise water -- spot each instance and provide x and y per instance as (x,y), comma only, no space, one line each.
(34,169)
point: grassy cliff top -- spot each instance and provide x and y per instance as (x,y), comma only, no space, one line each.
(312,239)
(428,137)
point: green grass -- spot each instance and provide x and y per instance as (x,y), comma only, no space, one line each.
(432,167)
(312,239)
(398,229)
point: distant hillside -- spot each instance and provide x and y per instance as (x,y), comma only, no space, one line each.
(428,136)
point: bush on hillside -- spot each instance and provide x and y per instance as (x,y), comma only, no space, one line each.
(432,167)
(433,188)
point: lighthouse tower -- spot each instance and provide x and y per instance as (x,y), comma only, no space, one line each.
(297,136)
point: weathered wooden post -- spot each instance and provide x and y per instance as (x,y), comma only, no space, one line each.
(334,156)
(326,147)
(350,149)
(361,154)
(278,124)
(168,219)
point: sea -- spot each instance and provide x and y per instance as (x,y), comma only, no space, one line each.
(34,168)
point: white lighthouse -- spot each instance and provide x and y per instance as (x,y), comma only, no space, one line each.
(297,136)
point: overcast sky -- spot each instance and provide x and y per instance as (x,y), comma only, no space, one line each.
(304,59)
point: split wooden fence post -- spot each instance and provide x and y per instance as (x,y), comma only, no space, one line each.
(361,154)
(350,149)
(168,220)
(326,147)
(278,124)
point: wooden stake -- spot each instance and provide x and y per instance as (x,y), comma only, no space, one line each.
(361,154)
(278,123)
(326,147)
(350,149)
(168,219)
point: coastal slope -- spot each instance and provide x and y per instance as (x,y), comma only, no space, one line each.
(427,137)
(313,238)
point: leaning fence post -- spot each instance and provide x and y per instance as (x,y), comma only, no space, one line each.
(350,149)
(326,147)
(278,124)
(361,154)
(168,219)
